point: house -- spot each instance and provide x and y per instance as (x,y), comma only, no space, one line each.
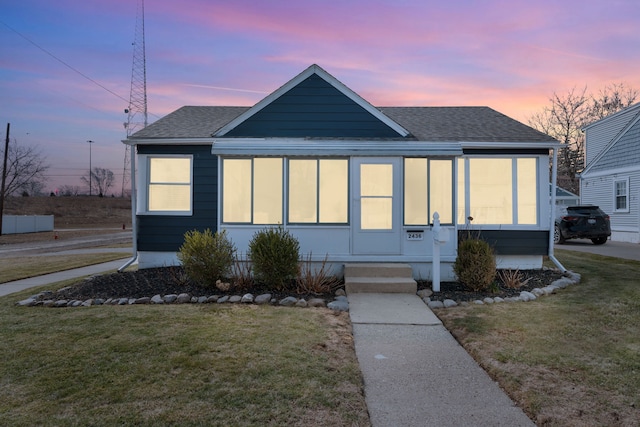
(611,178)
(564,197)
(352,182)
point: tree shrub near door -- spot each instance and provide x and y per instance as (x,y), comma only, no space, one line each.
(274,254)
(207,257)
(475,264)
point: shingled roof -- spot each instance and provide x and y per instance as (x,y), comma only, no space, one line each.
(437,124)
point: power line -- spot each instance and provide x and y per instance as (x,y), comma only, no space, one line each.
(62,62)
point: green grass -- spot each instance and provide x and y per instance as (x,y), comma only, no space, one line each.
(24,267)
(567,358)
(177,365)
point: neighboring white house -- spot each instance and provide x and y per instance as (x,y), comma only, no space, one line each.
(564,197)
(611,178)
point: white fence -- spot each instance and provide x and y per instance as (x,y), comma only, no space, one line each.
(16,224)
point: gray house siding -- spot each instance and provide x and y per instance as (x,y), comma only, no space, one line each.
(166,233)
(316,109)
(625,152)
(513,242)
(602,132)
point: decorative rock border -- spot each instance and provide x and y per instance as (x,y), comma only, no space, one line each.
(571,279)
(44,299)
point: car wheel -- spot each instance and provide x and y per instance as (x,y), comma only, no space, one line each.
(599,240)
(557,235)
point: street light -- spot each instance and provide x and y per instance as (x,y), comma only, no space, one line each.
(90,175)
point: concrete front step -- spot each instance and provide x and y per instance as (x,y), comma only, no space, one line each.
(379,278)
(377,270)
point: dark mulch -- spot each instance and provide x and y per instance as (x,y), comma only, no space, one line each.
(458,292)
(170,280)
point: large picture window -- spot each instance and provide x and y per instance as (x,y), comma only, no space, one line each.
(252,190)
(428,188)
(169,184)
(498,190)
(318,191)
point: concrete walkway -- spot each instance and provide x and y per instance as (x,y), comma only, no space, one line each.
(20,285)
(416,373)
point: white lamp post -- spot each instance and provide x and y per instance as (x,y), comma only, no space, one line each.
(90,175)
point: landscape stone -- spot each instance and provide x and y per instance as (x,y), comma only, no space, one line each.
(527,296)
(170,298)
(194,300)
(143,300)
(435,304)
(202,300)
(98,301)
(247,298)
(235,298)
(316,302)
(48,303)
(562,282)
(498,300)
(478,302)
(288,301)
(488,300)
(61,303)
(302,303)
(87,303)
(338,305)
(341,293)
(537,292)
(213,298)
(27,302)
(131,301)
(449,303)
(76,303)
(157,299)
(183,298)
(263,299)
(222,299)
(342,298)
(424,293)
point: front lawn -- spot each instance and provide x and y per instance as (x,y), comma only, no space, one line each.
(177,365)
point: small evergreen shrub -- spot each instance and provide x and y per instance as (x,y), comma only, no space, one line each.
(274,255)
(207,257)
(475,264)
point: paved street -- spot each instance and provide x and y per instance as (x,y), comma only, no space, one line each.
(612,249)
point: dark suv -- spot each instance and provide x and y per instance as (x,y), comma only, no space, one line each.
(582,222)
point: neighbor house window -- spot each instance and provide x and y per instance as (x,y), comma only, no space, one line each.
(169,184)
(498,190)
(428,188)
(621,189)
(252,190)
(318,191)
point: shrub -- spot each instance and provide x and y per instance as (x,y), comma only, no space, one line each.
(207,257)
(274,254)
(512,279)
(475,264)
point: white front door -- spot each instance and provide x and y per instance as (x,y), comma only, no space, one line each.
(376,210)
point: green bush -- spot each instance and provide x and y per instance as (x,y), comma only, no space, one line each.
(475,264)
(274,254)
(207,257)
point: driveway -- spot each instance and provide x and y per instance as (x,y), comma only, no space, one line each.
(613,249)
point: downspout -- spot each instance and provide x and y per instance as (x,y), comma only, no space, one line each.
(552,210)
(134,204)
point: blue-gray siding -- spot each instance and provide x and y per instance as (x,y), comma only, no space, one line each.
(513,242)
(166,233)
(625,152)
(316,109)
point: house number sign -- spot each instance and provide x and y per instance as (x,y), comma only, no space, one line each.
(415,235)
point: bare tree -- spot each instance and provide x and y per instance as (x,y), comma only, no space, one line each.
(25,169)
(568,114)
(69,190)
(101,180)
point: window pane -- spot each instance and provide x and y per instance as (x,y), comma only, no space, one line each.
(376,180)
(334,191)
(236,190)
(415,192)
(164,170)
(376,213)
(491,182)
(303,190)
(527,191)
(267,191)
(167,197)
(441,190)
(461,215)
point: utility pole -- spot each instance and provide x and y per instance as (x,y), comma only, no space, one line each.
(90,173)
(4,176)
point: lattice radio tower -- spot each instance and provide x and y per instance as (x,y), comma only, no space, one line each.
(137,110)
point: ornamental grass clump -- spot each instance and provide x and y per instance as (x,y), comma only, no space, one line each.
(274,254)
(207,257)
(475,264)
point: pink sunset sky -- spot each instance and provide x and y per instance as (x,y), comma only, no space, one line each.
(508,55)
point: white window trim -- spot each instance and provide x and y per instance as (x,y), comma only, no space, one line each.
(142,202)
(615,196)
